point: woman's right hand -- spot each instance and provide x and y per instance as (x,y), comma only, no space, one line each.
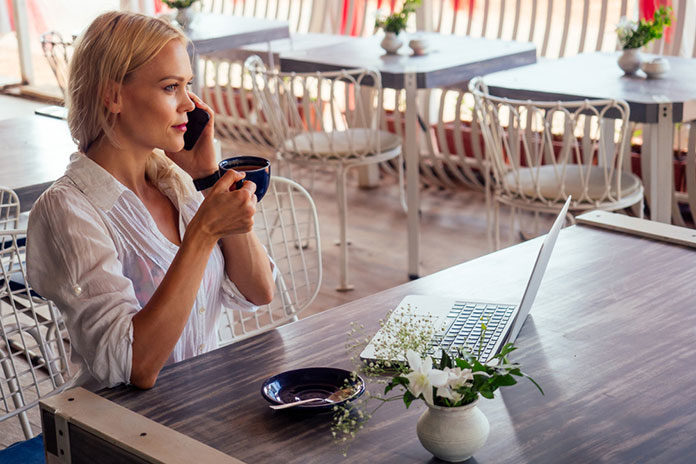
(225,212)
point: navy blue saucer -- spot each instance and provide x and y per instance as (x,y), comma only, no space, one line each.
(311,382)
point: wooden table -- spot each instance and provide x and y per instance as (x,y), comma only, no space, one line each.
(211,32)
(657,103)
(609,339)
(452,60)
(35,152)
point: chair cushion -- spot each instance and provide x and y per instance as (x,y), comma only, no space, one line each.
(24,452)
(549,180)
(353,142)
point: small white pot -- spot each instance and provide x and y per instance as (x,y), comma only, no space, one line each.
(629,60)
(184,17)
(391,43)
(453,434)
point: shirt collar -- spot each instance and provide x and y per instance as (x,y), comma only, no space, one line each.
(94,181)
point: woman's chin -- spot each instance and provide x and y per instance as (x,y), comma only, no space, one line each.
(174,147)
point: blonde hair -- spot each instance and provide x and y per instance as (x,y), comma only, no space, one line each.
(114,46)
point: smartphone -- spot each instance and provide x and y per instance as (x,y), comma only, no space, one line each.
(197,119)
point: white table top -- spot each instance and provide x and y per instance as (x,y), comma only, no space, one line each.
(596,75)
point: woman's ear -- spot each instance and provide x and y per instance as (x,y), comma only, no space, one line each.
(112,97)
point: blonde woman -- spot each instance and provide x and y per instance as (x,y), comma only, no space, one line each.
(137,261)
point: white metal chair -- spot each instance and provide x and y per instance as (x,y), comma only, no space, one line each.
(9,209)
(58,52)
(541,152)
(287,225)
(336,125)
(33,357)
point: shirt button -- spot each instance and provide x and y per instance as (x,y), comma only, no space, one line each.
(77,290)
(201,347)
(201,310)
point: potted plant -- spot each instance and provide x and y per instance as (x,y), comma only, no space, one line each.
(452,427)
(633,35)
(184,14)
(393,24)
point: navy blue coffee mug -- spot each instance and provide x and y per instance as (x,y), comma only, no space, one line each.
(257,170)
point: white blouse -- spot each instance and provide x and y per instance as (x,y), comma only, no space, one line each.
(94,249)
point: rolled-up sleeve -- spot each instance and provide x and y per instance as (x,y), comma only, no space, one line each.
(72,260)
(233,298)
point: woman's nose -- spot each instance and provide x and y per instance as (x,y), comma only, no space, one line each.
(188,104)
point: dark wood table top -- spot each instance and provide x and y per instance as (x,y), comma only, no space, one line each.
(210,32)
(452,59)
(35,152)
(609,339)
(596,75)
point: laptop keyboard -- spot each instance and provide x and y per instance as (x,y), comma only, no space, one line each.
(463,329)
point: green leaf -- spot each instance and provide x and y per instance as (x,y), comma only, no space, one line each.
(408,398)
(445,361)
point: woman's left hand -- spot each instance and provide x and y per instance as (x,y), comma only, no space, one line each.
(199,161)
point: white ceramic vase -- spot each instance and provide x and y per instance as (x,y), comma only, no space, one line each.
(629,60)
(391,43)
(185,16)
(453,434)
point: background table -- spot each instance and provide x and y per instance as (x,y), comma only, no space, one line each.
(211,32)
(657,103)
(452,60)
(609,339)
(35,152)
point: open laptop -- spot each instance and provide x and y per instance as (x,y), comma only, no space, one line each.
(457,322)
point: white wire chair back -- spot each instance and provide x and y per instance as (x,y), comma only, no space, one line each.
(322,116)
(58,52)
(533,145)
(238,124)
(9,209)
(286,223)
(33,356)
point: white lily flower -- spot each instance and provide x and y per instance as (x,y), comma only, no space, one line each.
(447,392)
(456,377)
(423,377)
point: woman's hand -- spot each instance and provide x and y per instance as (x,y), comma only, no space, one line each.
(199,161)
(226,212)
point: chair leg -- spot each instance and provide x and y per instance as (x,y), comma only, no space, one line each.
(17,396)
(496,224)
(489,205)
(641,214)
(402,187)
(343,285)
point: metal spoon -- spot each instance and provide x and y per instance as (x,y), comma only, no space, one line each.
(335,397)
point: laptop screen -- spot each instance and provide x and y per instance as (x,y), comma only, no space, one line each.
(538,273)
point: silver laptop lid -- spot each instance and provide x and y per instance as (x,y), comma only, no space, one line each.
(537,273)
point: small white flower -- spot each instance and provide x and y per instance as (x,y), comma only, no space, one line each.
(447,392)
(625,29)
(456,377)
(423,377)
